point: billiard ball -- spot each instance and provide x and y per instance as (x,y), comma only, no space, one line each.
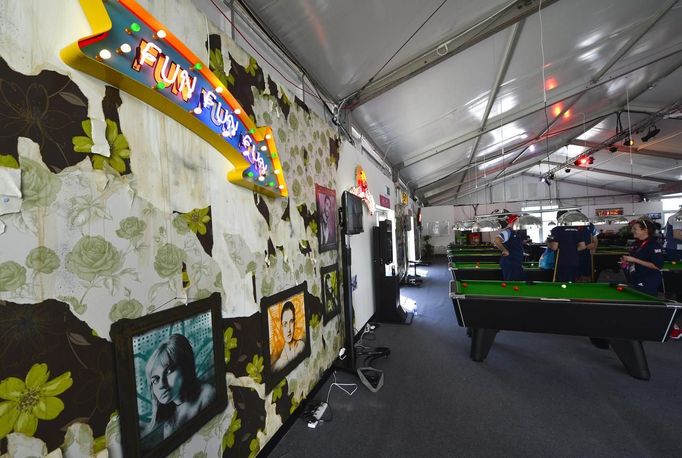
(477,266)
(504,285)
(464,285)
(674,262)
(620,288)
(563,286)
(516,288)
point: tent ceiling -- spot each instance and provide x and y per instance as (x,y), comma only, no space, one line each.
(454,94)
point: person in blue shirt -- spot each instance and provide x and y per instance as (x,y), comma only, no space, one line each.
(646,259)
(566,241)
(511,246)
(673,237)
(589,235)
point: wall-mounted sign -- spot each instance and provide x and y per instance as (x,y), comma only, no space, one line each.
(404,198)
(361,190)
(384,201)
(609,211)
(654,216)
(131,50)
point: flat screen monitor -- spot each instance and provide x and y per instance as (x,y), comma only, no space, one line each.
(352,213)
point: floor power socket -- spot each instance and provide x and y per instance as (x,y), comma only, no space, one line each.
(317,414)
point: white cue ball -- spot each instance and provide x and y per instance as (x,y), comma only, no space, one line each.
(563,286)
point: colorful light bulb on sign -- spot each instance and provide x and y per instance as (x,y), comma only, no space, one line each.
(131,50)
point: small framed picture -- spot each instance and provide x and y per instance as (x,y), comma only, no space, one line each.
(326,217)
(170,368)
(330,291)
(286,326)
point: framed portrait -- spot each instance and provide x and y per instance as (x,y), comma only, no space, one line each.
(170,368)
(286,333)
(326,218)
(330,291)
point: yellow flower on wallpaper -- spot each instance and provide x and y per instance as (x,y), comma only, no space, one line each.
(196,220)
(24,402)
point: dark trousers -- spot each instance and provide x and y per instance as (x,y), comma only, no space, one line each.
(512,271)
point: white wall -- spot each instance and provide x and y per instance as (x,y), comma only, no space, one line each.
(361,251)
(443,213)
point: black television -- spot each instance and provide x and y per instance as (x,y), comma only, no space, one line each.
(351,207)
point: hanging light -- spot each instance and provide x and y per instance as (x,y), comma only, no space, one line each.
(573,218)
(487,225)
(678,215)
(527,222)
(598,220)
(619,219)
(468,225)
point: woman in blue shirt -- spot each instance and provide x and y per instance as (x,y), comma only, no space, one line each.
(646,259)
(509,243)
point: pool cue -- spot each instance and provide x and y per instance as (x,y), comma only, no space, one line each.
(556,264)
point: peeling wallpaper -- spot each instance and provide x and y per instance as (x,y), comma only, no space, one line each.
(153,225)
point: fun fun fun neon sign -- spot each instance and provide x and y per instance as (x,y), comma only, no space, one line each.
(131,50)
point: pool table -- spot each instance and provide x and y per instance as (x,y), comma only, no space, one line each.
(672,279)
(607,313)
(607,259)
(492,271)
(472,248)
(468,256)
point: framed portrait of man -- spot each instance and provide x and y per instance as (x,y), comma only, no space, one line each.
(326,218)
(170,367)
(331,304)
(286,332)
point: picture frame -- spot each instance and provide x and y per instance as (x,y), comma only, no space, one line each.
(286,333)
(327,231)
(175,354)
(331,304)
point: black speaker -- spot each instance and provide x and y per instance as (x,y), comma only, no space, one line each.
(386,241)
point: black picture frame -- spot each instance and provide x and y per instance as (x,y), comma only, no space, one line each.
(331,306)
(275,368)
(327,233)
(160,337)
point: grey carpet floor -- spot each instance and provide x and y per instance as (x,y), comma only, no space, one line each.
(534,395)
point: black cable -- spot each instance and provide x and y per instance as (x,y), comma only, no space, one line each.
(403,45)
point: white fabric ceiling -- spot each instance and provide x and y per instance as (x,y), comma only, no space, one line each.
(477,111)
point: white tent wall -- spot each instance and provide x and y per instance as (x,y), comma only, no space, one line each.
(361,244)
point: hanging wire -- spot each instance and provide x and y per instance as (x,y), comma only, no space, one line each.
(544,99)
(632,177)
(263,59)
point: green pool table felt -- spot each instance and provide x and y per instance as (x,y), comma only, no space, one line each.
(545,290)
(668,265)
(488,265)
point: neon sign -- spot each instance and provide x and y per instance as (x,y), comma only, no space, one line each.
(131,50)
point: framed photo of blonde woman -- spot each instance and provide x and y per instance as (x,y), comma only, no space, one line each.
(171,376)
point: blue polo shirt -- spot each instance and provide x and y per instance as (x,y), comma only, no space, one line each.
(585,256)
(643,278)
(673,246)
(567,264)
(512,265)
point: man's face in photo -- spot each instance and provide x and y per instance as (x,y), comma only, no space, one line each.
(288,325)
(327,209)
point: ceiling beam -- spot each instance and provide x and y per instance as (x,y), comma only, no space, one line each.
(499,79)
(609,172)
(510,14)
(580,183)
(590,122)
(615,58)
(624,149)
(521,113)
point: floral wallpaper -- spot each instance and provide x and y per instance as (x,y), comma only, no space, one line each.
(122,213)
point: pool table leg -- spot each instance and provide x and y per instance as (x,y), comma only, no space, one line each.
(631,354)
(481,341)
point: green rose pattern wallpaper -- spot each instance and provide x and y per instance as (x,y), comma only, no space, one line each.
(150,226)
